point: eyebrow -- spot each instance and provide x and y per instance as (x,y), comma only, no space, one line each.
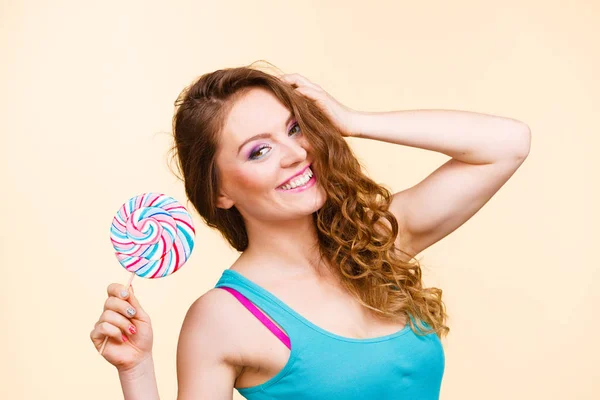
(263,135)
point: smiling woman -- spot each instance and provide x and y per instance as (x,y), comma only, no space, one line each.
(321,266)
(228,107)
(248,133)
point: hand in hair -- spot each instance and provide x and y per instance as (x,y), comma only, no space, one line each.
(340,115)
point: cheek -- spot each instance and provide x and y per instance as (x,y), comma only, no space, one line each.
(253,181)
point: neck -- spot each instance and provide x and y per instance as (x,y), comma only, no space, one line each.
(284,248)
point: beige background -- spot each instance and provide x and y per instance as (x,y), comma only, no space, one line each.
(86,99)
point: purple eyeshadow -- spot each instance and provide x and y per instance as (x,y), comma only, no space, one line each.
(263,145)
(255,149)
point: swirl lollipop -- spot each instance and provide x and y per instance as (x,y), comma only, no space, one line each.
(153,236)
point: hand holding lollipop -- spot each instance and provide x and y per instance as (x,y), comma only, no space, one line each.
(153,236)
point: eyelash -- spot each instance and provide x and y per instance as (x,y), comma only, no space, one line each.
(264,146)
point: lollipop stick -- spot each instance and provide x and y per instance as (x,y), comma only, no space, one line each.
(106,337)
(130,280)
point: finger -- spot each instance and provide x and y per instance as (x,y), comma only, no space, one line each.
(121,306)
(116,319)
(310,93)
(300,80)
(118,290)
(103,330)
(141,313)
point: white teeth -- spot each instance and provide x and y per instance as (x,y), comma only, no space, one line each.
(299,181)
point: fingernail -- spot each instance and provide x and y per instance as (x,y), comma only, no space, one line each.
(124,293)
(124,338)
(130,311)
(132,329)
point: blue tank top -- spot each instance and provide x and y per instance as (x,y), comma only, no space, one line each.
(326,366)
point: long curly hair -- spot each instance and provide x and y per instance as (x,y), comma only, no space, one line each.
(356,231)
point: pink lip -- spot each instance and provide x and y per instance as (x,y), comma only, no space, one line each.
(298,174)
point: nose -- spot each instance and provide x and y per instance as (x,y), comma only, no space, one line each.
(293,152)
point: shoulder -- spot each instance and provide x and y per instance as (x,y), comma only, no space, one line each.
(212,306)
(208,321)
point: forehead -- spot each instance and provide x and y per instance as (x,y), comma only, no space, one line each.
(256,111)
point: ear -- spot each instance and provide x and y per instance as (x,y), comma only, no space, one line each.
(224,201)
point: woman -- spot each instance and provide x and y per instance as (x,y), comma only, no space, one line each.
(327,255)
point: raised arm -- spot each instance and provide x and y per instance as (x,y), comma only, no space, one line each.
(486,151)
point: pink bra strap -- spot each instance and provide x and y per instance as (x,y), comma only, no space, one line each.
(262,318)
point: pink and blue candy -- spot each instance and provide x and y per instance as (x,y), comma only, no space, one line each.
(153,235)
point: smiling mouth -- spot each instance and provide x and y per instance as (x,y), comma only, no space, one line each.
(298,181)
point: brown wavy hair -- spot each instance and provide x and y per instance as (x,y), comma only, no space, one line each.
(356,231)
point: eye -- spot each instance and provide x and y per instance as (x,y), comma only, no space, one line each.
(258,152)
(295,126)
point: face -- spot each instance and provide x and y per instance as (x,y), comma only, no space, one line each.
(264,161)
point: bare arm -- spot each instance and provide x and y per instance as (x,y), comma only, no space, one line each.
(140,382)
(207,360)
(486,151)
